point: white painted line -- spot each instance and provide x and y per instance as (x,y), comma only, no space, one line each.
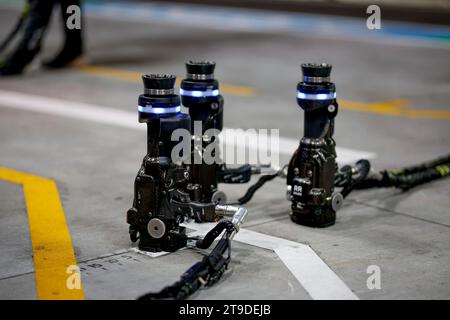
(69,109)
(314,274)
(316,277)
(250,237)
(128,119)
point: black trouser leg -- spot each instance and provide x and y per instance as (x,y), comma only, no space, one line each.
(30,44)
(73,36)
(73,43)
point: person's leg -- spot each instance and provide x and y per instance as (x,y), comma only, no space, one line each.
(35,25)
(73,44)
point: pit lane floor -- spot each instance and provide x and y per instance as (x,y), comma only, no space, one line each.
(394,105)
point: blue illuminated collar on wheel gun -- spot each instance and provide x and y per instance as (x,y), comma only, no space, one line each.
(316,96)
(158,110)
(199,93)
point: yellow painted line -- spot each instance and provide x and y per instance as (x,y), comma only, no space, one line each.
(111,73)
(50,237)
(395,108)
(136,77)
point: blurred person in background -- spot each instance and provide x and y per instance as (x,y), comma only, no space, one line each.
(36,18)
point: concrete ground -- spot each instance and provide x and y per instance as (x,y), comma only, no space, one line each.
(394,95)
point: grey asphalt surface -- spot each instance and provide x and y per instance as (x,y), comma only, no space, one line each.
(94,165)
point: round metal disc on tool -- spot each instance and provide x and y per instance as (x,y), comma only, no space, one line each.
(289,193)
(156,228)
(219,197)
(337,201)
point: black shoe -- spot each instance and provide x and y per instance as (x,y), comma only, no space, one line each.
(16,63)
(67,56)
(10,70)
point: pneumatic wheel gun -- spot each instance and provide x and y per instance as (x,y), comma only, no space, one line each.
(312,168)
